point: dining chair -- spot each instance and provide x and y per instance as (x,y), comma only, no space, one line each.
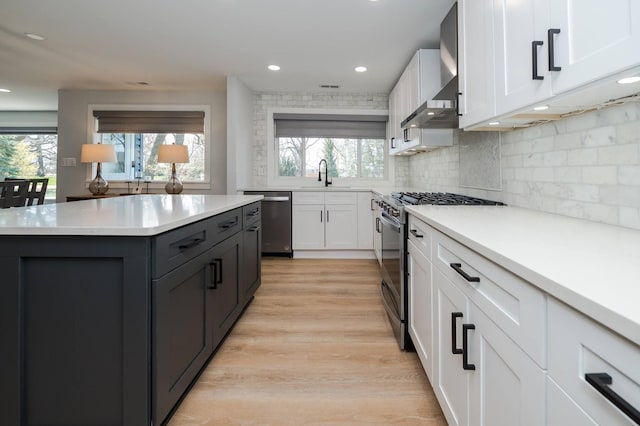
(37,190)
(13,193)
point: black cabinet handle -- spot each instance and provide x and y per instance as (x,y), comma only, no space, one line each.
(219,270)
(393,143)
(465,346)
(552,55)
(458,104)
(454,349)
(253,229)
(378,225)
(191,243)
(254,213)
(320,215)
(415,233)
(534,57)
(327,216)
(601,382)
(458,268)
(371,204)
(228,224)
(213,265)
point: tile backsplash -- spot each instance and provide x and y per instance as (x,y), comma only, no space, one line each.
(586,166)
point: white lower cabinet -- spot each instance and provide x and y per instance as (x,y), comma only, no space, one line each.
(307,226)
(420,312)
(587,361)
(341,230)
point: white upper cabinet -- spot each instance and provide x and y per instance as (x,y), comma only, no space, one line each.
(476,62)
(521,75)
(596,38)
(566,54)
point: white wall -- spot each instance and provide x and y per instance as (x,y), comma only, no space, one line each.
(586,166)
(239,135)
(73,107)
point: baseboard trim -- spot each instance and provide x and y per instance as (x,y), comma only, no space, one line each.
(333,254)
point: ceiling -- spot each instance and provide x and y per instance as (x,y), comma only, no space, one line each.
(194,44)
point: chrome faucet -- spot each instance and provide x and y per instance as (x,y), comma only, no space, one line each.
(327,182)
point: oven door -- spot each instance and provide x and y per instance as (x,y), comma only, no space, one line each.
(392,291)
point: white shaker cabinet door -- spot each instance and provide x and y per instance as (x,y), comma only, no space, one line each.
(420,307)
(476,62)
(341,226)
(308,226)
(506,388)
(450,381)
(517,24)
(596,38)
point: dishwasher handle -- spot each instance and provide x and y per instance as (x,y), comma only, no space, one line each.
(277,199)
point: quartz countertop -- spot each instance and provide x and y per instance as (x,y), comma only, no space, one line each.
(593,267)
(135,215)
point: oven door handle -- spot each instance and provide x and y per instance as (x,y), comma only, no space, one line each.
(396,227)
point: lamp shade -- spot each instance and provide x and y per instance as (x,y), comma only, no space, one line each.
(173,154)
(98,153)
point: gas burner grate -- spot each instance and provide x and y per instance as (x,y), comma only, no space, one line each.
(441,198)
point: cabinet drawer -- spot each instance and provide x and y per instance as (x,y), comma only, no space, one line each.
(251,214)
(307,198)
(420,235)
(580,346)
(341,198)
(175,247)
(516,306)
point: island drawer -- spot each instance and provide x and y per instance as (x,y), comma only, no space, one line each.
(251,214)
(180,245)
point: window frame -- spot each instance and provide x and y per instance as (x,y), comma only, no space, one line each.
(94,137)
(273,177)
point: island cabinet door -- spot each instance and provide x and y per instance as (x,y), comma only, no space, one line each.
(182,341)
(250,271)
(223,296)
(74,331)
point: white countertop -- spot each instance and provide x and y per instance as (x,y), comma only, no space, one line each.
(593,267)
(134,215)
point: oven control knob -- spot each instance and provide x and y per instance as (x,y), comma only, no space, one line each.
(395,213)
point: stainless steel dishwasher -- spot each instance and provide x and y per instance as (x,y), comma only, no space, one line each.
(276,222)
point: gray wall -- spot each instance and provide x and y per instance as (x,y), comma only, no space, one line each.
(239,135)
(586,166)
(73,109)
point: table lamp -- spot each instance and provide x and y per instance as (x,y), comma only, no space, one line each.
(173,154)
(98,153)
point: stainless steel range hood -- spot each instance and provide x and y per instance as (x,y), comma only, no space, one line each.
(442,112)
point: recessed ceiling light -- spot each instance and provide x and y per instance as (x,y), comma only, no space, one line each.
(541,108)
(33,36)
(5,90)
(360,69)
(629,80)
(494,123)
(274,68)
(413,125)
(431,113)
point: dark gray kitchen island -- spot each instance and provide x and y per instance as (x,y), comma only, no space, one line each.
(110,308)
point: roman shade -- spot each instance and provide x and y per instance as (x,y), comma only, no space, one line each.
(150,121)
(330,126)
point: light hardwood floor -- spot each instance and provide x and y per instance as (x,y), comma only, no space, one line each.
(314,348)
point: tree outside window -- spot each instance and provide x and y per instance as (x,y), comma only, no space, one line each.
(29,157)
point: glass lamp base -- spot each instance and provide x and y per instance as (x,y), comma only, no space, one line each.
(98,186)
(174,186)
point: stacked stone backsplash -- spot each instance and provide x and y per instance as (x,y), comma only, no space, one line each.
(322,100)
(586,166)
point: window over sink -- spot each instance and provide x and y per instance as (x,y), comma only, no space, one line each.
(352,144)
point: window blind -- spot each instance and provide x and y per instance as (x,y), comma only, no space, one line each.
(150,121)
(330,126)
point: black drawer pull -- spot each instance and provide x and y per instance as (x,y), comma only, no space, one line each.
(550,34)
(601,382)
(465,346)
(229,224)
(415,233)
(534,59)
(213,282)
(458,104)
(254,213)
(191,243)
(253,229)
(458,268)
(454,349)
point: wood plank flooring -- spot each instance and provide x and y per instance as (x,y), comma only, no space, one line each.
(314,348)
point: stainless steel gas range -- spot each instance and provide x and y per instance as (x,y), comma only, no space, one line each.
(393,227)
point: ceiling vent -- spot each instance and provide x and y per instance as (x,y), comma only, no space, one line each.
(329,86)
